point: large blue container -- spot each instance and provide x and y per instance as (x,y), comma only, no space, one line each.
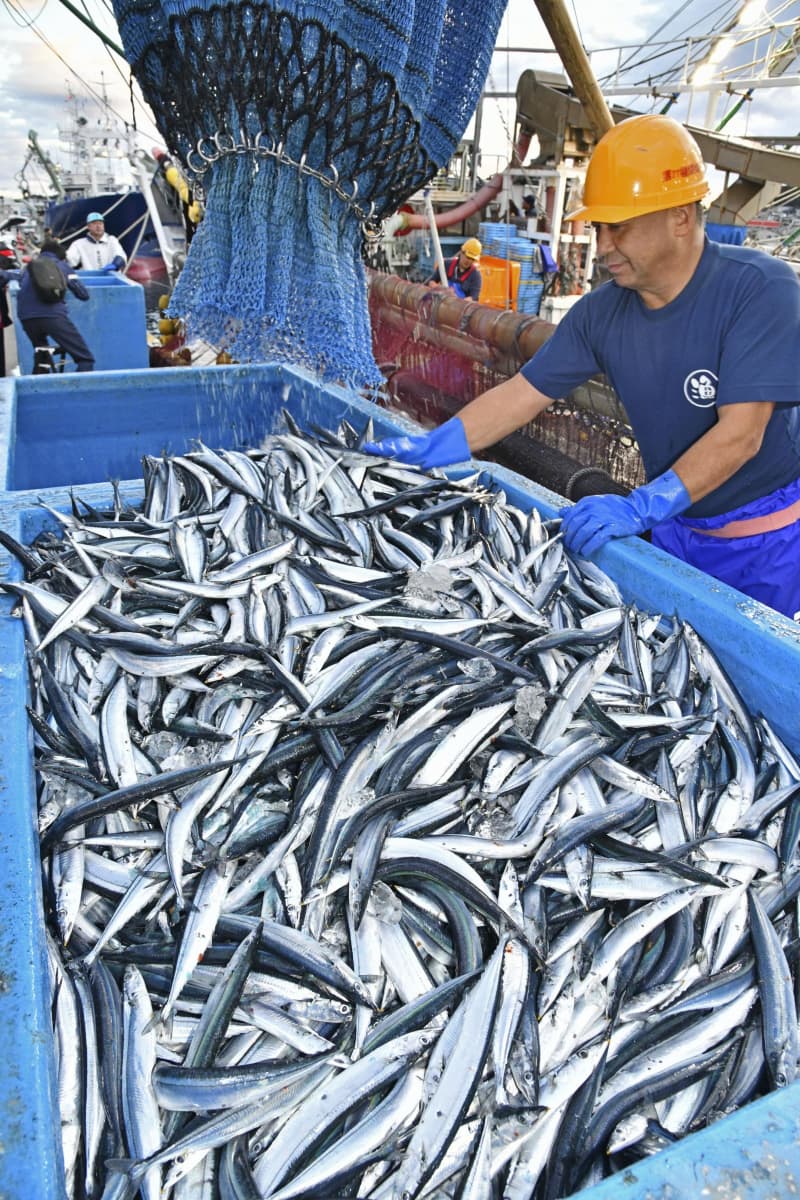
(112,322)
(753,1154)
(92,428)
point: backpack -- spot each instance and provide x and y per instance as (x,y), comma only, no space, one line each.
(48,279)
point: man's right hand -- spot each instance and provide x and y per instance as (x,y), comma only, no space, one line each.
(442,447)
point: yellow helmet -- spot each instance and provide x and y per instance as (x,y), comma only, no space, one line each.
(643,165)
(472,249)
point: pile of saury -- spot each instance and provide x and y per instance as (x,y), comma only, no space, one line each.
(386,851)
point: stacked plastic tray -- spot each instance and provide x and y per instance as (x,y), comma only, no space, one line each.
(502,241)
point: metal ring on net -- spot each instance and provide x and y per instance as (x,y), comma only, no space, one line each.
(219,142)
(208,158)
(216,139)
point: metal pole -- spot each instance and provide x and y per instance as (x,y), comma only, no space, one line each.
(565,39)
(437,245)
(476,141)
(711,108)
(146,187)
(728,116)
(91,25)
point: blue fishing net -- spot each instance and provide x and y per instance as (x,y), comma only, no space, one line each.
(304,125)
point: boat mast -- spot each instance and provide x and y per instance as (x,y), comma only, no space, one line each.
(86,142)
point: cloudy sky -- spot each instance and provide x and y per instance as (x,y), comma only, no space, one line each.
(48,54)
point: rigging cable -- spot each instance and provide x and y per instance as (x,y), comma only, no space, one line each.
(652,37)
(125,76)
(12,7)
(684,37)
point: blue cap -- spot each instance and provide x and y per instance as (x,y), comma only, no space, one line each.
(95,216)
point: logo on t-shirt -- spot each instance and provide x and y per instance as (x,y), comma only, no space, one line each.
(700,388)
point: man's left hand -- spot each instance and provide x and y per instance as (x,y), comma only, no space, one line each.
(595,520)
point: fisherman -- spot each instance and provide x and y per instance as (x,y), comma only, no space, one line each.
(43,317)
(463,275)
(7,263)
(529,205)
(98,251)
(702,343)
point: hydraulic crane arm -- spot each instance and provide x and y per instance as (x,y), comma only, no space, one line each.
(42,157)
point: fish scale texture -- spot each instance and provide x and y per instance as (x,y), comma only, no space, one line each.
(370,96)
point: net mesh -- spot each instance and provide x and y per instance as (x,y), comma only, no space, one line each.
(301,127)
(432,371)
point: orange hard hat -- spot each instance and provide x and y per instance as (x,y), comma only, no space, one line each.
(642,165)
(472,249)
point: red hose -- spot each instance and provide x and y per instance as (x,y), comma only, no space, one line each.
(476,203)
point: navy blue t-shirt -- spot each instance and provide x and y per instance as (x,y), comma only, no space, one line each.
(730,337)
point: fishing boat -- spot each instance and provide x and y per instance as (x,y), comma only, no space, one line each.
(718,69)
(106,170)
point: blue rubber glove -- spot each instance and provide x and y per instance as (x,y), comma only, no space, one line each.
(441,447)
(108,269)
(595,520)
(116,264)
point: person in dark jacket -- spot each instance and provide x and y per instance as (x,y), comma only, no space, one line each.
(463,276)
(5,321)
(43,319)
(8,262)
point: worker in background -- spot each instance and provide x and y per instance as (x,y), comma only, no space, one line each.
(98,251)
(463,276)
(5,322)
(702,343)
(8,262)
(513,216)
(42,316)
(529,206)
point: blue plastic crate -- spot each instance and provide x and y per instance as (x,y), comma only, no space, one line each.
(529,296)
(112,322)
(91,428)
(753,1154)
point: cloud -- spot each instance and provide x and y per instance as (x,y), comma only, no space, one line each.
(34,81)
(36,77)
